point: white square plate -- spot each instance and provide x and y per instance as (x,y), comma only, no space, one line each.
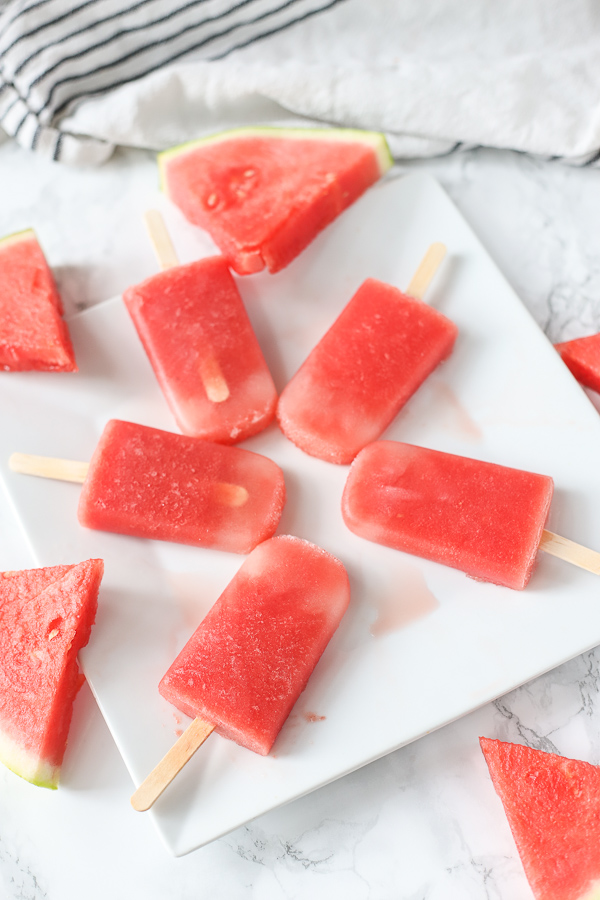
(421,644)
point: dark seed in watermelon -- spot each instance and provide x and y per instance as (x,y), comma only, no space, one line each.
(46,616)
(264,193)
(33,335)
(553,808)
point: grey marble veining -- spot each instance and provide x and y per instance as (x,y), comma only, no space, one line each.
(420,824)
(87,220)
(536,220)
(18,871)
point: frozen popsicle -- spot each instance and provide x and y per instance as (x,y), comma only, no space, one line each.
(370,362)
(485,519)
(155,484)
(196,332)
(250,658)
(582,356)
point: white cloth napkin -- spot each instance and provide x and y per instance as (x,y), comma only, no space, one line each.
(435,76)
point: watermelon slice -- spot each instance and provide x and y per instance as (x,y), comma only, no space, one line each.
(33,334)
(265,193)
(582,356)
(45,618)
(553,809)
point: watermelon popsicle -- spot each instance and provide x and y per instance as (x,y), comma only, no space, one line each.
(482,518)
(249,660)
(196,332)
(150,483)
(371,361)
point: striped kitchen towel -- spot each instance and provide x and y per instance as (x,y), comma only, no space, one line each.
(56,55)
(78,77)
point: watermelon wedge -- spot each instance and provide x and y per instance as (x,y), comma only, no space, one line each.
(264,193)
(46,616)
(33,334)
(553,809)
(582,357)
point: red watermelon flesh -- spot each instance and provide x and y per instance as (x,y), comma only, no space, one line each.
(582,356)
(33,334)
(264,193)
(46,616)
(377,353)
(190,320)
(553,809)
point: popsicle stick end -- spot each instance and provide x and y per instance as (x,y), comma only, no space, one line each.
(171,764)
(160,239)
(48,467)
(426,270)
(569,551)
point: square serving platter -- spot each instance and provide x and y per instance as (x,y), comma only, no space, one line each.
(421,644)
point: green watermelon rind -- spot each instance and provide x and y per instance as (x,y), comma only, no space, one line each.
(26,765)
(25,235)
(73,598)
(375,139)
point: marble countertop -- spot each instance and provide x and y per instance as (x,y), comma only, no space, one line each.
(420,824)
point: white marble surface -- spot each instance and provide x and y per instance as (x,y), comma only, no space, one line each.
(421,824)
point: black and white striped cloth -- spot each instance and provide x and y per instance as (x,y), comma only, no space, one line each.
(56,54)
(78,77)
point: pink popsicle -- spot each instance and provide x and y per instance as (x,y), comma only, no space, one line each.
(198,337)
(482,518)
(252,655)
(171,487)
(360,374)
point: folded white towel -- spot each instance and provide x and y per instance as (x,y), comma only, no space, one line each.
(77,79)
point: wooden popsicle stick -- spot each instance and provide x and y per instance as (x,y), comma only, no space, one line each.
(160,239)
(225,492)
(49,467)
(231,494)
(171,764)
(426,270)
(571,552)
(211,374)
(213,380)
